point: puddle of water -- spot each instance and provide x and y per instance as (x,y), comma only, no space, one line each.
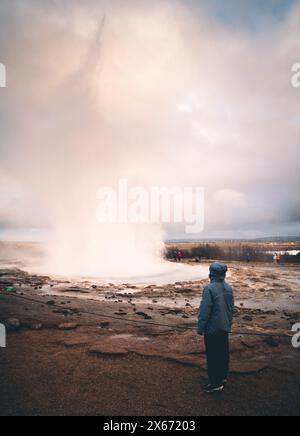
(174,273)
(128,292)
(179,303)
(277,304)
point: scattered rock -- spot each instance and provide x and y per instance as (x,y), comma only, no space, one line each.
(104,325)
(13,324)
(248,318)
(292,316)
(172,311)
(68,326)
(36,326)
(144,315)
(50,303)
(184,291)
(62,311)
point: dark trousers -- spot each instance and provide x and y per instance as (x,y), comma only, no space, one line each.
(217,352)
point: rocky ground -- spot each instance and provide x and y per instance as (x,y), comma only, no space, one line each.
(88,348)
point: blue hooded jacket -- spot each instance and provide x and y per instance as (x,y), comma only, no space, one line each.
(217,306)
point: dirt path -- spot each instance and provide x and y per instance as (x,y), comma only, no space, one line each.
(39,375)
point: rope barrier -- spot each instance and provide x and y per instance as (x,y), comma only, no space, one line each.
(152,323)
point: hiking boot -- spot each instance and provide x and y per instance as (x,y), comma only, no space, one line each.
(214,389)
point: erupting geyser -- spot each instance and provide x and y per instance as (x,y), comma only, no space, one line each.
(107,90)
(104,112)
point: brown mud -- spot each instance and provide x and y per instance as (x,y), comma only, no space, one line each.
(66,356)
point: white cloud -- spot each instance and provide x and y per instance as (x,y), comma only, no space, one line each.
(230,198)
(165,94)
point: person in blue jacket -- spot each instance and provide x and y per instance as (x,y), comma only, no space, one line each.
(215,323)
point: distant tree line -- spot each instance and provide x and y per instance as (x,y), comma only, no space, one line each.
(227,252)
(290,259)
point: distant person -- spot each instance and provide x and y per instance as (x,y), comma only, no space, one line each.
(248,257)
(179,255)
(215,322)
(275,257)
(278,258)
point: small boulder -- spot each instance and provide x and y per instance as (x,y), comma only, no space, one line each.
(13,324)
(68,326)
(104,325)
(36,326)
(144,315)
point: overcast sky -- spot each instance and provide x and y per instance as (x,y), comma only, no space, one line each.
(189,93)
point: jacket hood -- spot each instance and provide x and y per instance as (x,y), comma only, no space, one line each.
(217,272)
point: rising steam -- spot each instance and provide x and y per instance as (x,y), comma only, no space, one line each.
(106,120)
(156,93)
